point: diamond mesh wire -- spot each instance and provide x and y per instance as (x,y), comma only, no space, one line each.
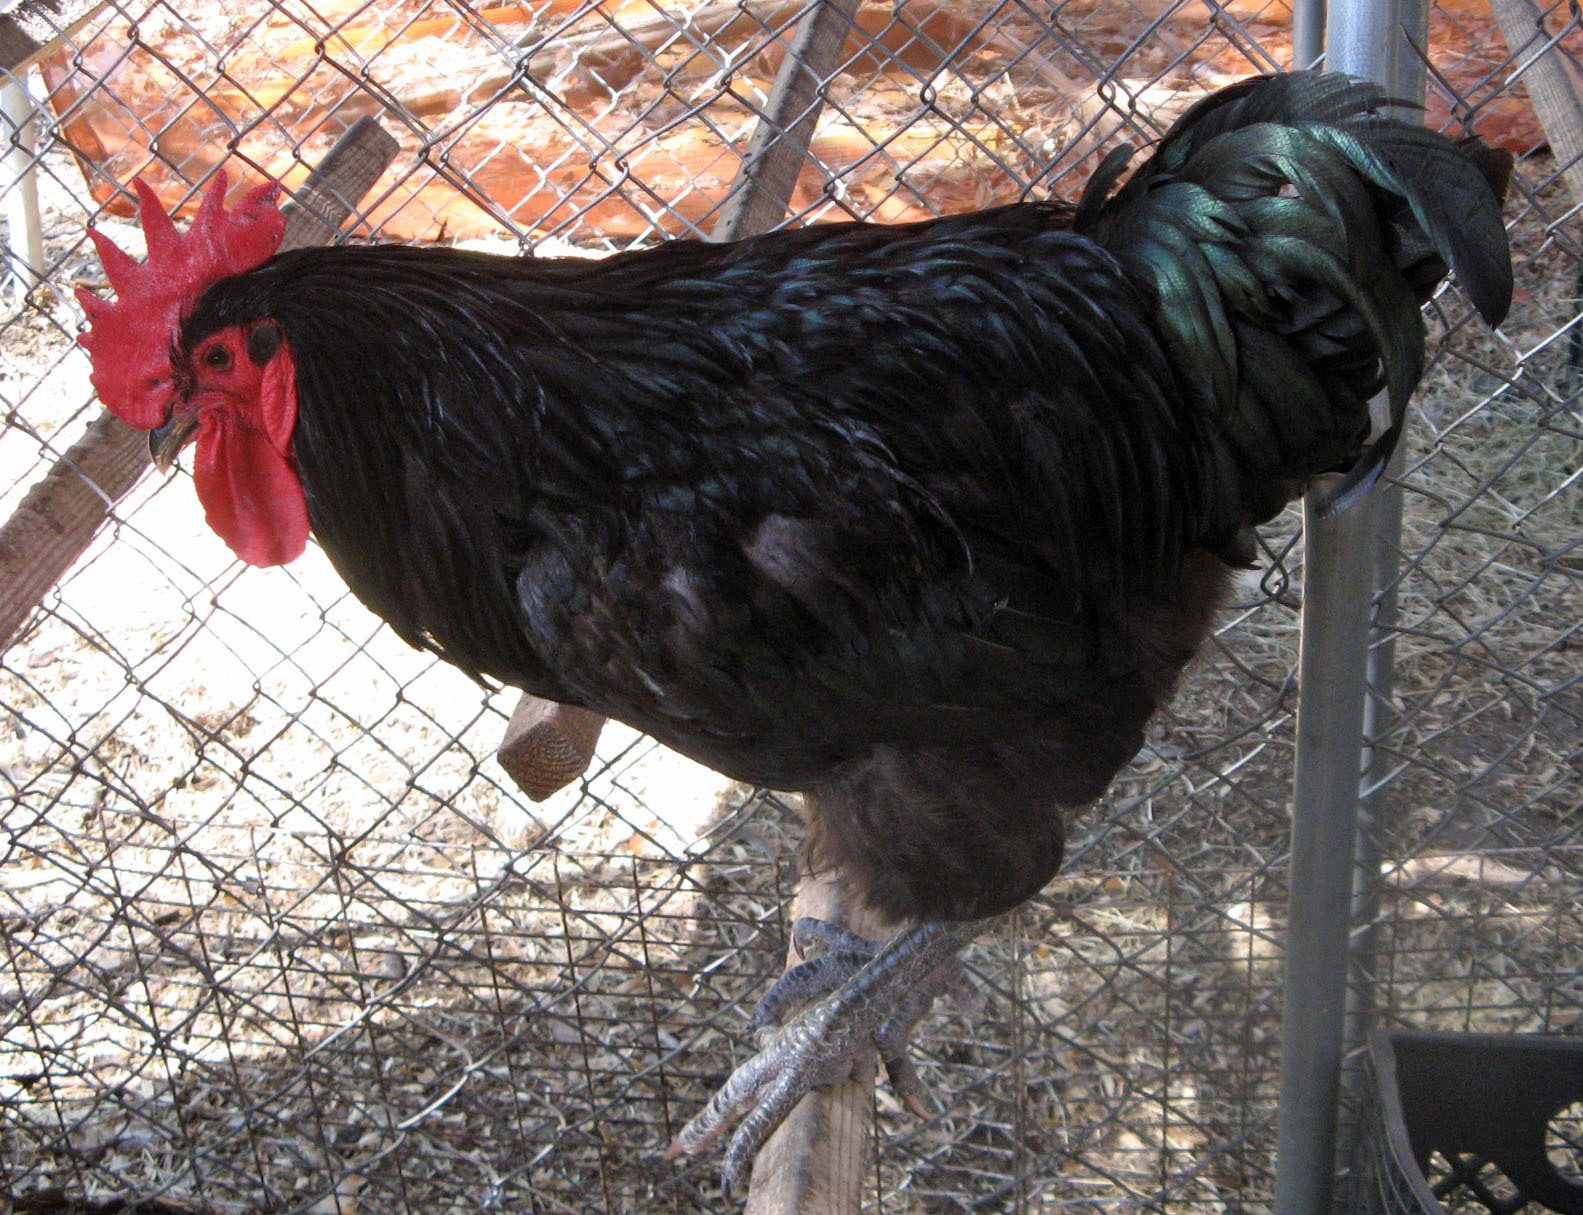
(277,932)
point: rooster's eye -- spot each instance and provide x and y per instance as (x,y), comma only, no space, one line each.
(217,357)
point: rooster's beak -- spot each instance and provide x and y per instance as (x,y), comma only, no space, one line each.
(165,443)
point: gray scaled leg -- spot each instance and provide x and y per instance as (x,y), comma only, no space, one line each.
(878,1005)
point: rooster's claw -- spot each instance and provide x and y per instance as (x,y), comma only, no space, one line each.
(879,997)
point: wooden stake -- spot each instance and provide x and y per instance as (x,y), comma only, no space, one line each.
(764,184)
(813,1163)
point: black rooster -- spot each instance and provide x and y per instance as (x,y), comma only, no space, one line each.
(924,521)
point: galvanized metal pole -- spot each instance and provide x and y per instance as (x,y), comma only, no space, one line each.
(1406,81)
(1378,715)
(1337,587)
(1363,37)
(1350,558)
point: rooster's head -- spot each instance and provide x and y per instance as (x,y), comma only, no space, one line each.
(234,390)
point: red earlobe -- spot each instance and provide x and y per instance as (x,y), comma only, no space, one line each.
(278,399)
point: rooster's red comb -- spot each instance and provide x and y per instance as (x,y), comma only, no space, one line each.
(130,339)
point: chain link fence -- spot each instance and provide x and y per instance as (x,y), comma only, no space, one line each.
(277,933)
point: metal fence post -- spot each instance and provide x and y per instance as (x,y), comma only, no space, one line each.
(1335,623)
(1406,80)
(1344,703)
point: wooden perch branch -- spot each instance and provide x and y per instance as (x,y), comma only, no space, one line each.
(547,745)
(813,1164)
(61,514)
(1452,868)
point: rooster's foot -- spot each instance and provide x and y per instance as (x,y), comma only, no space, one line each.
(833,955)
(876,997)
